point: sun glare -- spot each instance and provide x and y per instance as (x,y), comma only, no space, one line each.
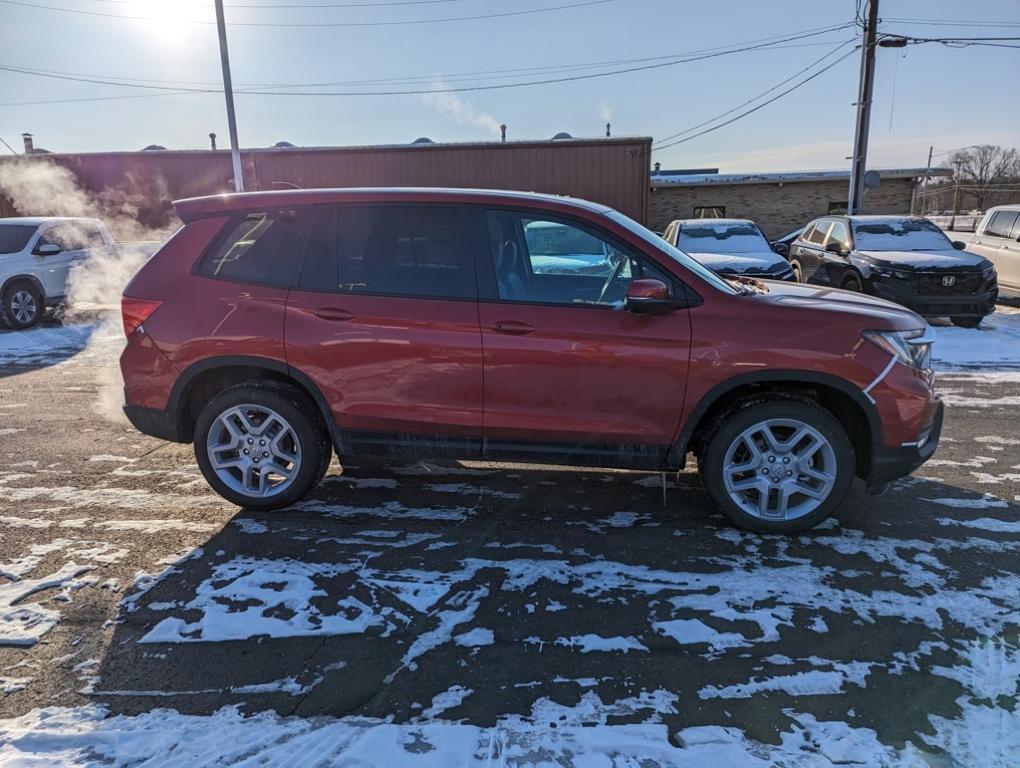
(172,22)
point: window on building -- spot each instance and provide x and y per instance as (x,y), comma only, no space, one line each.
(709,211)
(260,248)
(838,207)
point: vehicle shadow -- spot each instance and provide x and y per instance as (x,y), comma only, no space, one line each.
(474,594)
(51,341)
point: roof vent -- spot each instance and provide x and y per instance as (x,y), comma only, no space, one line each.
(561,136)
(423,140)
(154,148)
(284,145)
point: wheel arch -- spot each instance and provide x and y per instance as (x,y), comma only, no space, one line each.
(206,378)
(28,278)
(845,401)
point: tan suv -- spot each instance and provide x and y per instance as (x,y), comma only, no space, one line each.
(998,239)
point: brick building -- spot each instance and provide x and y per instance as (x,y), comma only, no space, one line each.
(778,202)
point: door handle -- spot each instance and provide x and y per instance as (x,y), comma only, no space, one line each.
(512,327)
(334,314)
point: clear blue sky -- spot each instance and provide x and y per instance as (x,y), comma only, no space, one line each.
(943,96)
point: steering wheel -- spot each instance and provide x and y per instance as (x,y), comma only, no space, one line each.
(612,278)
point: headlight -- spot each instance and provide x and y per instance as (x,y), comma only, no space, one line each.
(911,348)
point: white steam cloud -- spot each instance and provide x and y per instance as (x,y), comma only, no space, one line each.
(39,187)
(605,111)
(462,111)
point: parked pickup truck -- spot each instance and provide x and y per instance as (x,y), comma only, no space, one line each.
(36,255)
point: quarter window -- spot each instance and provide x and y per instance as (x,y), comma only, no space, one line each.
(550,261)
(817,235)
(838,234)
(260,248)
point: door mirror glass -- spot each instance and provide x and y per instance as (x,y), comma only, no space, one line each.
(959,245)
(781,248)
(834,247)
(47,249)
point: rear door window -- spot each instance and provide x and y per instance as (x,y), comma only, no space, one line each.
(263,248)
(396,250)
(1001,223)
(817,235)
(838,234)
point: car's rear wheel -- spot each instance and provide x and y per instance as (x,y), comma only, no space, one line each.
(778,465)
(965,322)
(261,445)
(22,305)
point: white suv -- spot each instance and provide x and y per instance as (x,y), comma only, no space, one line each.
(997,238)
(36,255)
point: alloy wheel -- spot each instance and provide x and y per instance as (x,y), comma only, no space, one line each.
(254,450)
(23,306)
(779,469)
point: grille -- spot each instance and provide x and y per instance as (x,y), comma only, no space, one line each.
(930,283)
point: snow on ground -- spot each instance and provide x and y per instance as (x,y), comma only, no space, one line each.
(44,344)
(994,345)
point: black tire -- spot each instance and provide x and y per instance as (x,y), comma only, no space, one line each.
(798,273)
(316,450)
(965,322)
(852,283)
(729,428)
(22,305)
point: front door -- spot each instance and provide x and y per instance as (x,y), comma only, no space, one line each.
(809,252)
(568,371)
(72,239)
(384,320)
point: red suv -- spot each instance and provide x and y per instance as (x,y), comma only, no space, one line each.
(276,327)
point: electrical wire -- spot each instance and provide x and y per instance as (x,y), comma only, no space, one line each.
(411,92)
(318,25)
(310,5)
(774,99)
(755,98)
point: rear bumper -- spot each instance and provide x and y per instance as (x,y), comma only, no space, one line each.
(154,422)
(888,464)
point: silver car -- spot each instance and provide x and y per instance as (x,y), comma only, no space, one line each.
(997,238)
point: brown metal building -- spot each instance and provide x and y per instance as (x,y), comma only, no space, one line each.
(613,171)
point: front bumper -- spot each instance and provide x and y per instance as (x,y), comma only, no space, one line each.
(888,464)
(976,303)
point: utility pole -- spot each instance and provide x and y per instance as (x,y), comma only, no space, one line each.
(859,159)
(927,178)
(228,91)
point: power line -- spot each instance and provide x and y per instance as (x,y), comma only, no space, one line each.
(760,106)
(401,22)
(411,92)
(755,98)
(953,22)
(310,5)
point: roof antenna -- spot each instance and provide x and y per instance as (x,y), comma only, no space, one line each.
(608,132)
(502,133)
(284,185)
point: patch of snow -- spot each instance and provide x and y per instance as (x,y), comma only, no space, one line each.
(590,643)
(985,502)
(995,344)
(475,638)
(809,683)
(692,631)
(984,523)
(43,344)
(449,699)
(9,685)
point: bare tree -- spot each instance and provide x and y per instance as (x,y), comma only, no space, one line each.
(984,166)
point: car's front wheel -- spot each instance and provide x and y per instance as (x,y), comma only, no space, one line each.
(261,445)
(778,465)
(22,305)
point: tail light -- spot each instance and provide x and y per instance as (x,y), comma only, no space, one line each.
(136,312)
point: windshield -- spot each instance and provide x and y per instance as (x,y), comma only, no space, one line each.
(677,255)
(738,237)
(14,237)
(899,235)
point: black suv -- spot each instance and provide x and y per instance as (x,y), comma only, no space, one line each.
(905,259)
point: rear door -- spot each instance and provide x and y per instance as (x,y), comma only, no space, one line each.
(384,320)
(568,371)
(833,266)
(998,242)
(72,239)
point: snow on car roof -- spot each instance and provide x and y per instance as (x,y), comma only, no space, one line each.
(712,222)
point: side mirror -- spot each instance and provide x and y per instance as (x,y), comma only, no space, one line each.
(836,248)
(649,296)
(781,248)
(959,245)
(47,249)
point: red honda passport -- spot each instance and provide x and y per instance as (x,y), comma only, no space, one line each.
(277,327)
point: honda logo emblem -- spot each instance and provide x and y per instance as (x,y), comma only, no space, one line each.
(949,281)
